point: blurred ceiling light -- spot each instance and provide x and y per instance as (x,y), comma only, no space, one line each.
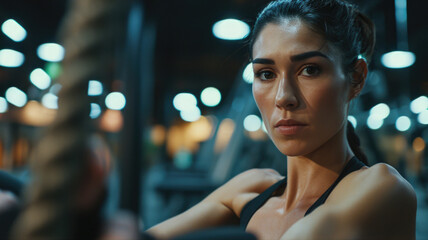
(252,123)
(403,123)
(115,101)
(419,104)
(51,52)
(191,115)
(40,79)
(374,122)
(380,111)
(211,96)
(248,74)
(398,59)
(401,58)
(184,101)
(95,111)
(3,105)
(231,29)
(95,88)
(16,97)
(13,30)
(423,117)
(11,58)
(352,120)
(50,101)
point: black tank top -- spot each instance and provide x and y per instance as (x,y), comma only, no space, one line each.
(252,206)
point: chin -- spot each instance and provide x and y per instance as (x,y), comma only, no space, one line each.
(292,148)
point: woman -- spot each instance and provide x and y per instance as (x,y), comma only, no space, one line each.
(310,60)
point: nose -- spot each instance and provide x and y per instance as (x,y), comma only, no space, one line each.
(286,95)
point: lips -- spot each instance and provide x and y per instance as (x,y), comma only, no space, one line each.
(289,126)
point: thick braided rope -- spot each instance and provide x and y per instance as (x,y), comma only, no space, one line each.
(58,160)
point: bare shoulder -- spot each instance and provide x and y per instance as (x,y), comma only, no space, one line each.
(255,180)
(377,200)
(245,186)
(379,177)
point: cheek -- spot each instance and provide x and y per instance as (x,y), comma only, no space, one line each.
(329,102)
(263,100)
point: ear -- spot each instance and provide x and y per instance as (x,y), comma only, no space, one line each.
(358,77)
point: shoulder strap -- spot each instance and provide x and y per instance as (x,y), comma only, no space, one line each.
(252,206)
(353,165)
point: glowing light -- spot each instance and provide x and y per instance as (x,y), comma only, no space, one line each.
(191,115)
(423,117)
(54,69)
(51,52)
(95,110)
(3,105)
(418,144)
(252,123)
(248,74)
(34,114)
(184,101)
(419,104)
(380,111)
(11,58)
(224,134)
(14,30)
(50,101)
(200,130)
(158,135)
(111,121)
(403,123)
(95,88)
(352,120)
(374,122)
(40,78)
(398,59)
(231,29)
(16,97)
(211,96)
(115,101)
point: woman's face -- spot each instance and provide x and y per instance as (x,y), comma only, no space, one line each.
(299,87)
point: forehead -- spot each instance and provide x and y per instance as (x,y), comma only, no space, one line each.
(290,37)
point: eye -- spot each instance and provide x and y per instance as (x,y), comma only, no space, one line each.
(265,75)
(311,71)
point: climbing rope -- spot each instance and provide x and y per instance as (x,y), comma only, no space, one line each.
(90,36)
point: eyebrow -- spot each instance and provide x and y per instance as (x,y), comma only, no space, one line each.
(306,55)
(294,58)
(263,61)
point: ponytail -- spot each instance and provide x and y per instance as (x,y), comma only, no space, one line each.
(354,142)
(367,36)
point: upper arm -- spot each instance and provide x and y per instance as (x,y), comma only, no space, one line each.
(221,207)
(373,203)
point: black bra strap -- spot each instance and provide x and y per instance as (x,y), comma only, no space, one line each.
(353,165)
(252,206)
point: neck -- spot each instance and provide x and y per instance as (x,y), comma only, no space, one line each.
(310,175)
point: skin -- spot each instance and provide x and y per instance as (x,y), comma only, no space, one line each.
(371,203)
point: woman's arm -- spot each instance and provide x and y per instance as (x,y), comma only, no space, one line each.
(376,203)
(222,207)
